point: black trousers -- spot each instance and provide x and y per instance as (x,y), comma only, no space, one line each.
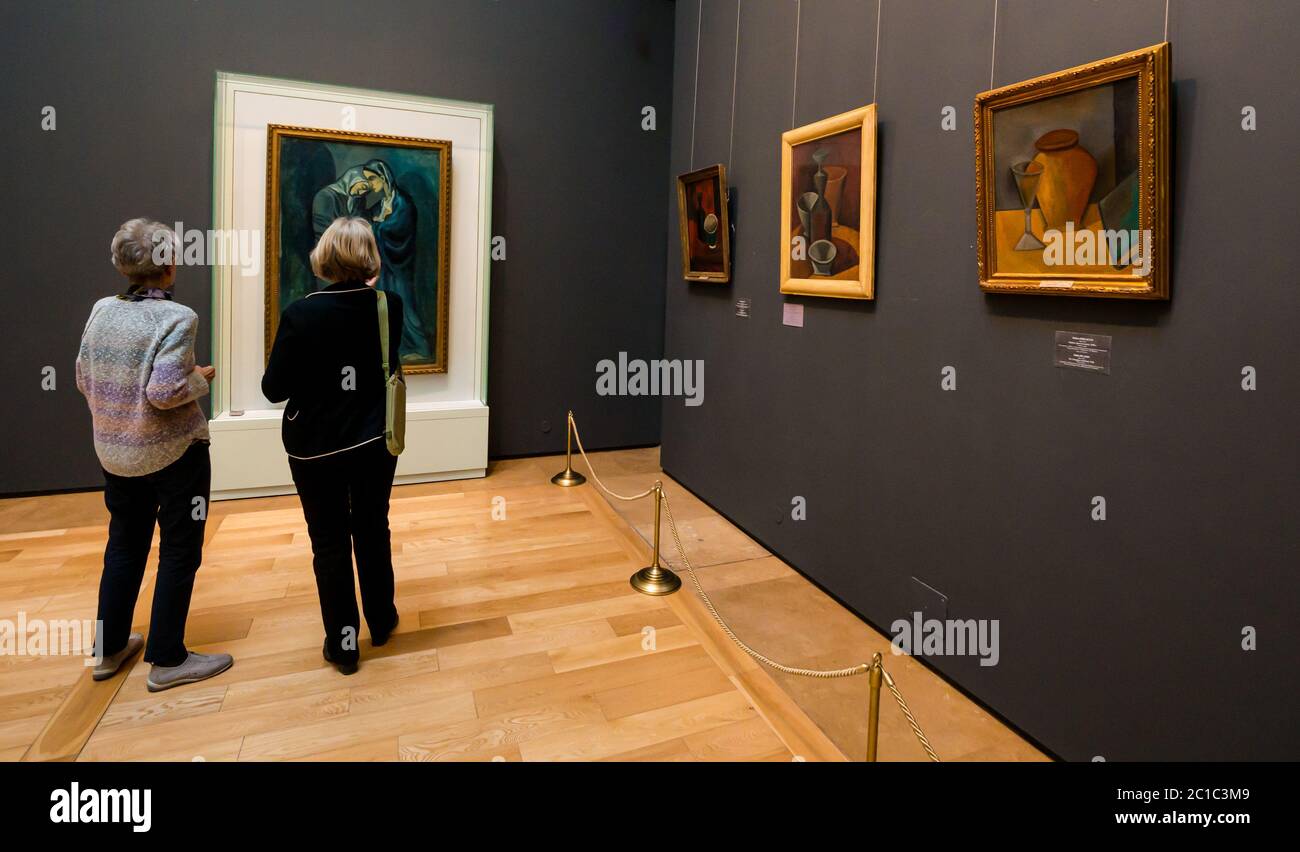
(345,500)
(135,504)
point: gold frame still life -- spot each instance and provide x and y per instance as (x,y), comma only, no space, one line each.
(274,134)
(720,172)
(1151,67)
(863,286)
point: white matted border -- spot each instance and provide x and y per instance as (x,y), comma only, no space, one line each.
(447,414)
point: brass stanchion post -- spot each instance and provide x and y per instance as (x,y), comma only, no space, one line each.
(568,477)
(875,676)
(656,580)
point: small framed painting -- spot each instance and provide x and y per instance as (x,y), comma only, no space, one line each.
(1072,180)
(828,207)
(704,224)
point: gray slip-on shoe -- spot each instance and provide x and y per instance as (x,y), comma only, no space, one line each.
(196,667)
(108,666)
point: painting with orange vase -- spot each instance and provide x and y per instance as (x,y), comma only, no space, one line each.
(1072,180)
(705,227)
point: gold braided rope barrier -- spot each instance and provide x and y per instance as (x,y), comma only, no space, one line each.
(657,580)
(573,429)
(861,668)
(911,720)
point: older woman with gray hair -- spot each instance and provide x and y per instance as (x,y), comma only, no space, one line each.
(136,368)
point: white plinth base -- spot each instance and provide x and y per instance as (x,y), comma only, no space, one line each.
(443,441)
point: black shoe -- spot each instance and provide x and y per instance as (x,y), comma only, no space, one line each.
(379,640)
(344,668)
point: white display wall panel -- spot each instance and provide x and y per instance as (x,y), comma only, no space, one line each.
(447,413)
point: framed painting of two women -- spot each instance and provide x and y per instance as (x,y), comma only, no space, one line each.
(401,186)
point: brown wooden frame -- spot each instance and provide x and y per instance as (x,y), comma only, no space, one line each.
(705,173)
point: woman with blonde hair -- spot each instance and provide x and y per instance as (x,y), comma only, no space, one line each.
(327,363)
(136,368)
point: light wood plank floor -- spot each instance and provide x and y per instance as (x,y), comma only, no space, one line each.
(779,612)
(519,640)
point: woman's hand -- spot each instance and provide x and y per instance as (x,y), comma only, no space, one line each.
(208,373)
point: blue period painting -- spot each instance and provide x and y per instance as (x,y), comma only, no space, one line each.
(401,186)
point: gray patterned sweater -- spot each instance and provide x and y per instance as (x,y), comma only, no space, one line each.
(136,369)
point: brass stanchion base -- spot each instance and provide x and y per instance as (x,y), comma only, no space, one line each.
(655,580)
(568,478)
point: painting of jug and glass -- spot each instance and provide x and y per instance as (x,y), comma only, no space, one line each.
(828,198)
(1070,165)
(1072,180)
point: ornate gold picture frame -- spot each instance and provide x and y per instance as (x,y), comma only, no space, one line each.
(402,186)
(828,207)
(704,224)
(1072,180)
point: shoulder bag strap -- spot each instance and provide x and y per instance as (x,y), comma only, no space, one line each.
(383,329)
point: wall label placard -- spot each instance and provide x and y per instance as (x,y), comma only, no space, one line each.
(1078,350)
(792,314)
(742,308)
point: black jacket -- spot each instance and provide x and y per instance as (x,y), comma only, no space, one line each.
(320,337)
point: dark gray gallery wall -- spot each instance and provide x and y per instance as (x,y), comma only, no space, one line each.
(1119,638)
(577,182)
